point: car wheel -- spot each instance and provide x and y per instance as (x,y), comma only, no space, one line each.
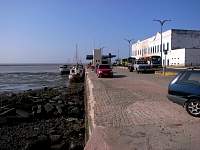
(193,107)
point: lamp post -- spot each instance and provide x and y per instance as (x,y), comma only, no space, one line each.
(129,42)
(161,47)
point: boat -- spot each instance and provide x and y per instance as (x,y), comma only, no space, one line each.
(76,73)
(64,69)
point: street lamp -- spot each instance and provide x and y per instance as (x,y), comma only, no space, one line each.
(129,42)
(161,47)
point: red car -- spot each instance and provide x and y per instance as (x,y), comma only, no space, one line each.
(104,70)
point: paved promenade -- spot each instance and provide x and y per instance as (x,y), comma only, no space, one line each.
(131,112)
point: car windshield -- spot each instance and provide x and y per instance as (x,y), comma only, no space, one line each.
(104,67)
(141,62)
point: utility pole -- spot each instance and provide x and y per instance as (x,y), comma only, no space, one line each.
(129,42)
(161,46)
(118,53)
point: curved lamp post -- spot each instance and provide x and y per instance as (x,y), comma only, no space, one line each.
(129,42)
(162,22)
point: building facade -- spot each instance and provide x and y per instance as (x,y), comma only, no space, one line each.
(182,46)
(97,56)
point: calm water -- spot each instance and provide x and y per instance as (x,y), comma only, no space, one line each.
(15,78)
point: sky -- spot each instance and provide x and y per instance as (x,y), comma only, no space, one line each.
(47,31)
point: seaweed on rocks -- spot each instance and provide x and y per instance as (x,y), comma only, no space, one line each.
(49,118)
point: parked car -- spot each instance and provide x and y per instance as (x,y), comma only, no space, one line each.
(184,89)
(104,70)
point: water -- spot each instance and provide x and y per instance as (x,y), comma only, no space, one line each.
(16,78)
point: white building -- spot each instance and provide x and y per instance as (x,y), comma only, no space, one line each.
(183,47)
(97,56)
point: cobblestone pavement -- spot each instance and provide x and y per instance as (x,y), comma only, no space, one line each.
(131,111)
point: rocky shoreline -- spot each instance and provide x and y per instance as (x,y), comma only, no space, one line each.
(49,118)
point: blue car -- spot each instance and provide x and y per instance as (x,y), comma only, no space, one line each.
(184,89)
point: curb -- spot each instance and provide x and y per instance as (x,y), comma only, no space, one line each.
(168,73)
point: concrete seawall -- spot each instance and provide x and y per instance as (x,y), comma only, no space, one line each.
(95,136)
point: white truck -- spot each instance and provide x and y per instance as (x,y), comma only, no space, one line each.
(142,66)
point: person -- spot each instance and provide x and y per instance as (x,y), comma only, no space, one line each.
(96,67)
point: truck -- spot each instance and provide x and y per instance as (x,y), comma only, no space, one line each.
(141,66)
(131,62)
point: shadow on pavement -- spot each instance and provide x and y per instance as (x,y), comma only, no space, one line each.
(119,76)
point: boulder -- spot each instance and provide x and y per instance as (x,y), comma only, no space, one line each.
(23,113)
(48,107)
(55,139)
(60,146)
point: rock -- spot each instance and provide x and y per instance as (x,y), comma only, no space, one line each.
(48,107)
(55,138)
(59,109)
(60,102)
(41,143)
(75,146)
(23,113)
(58,146)
(39,109)
(56,98)
(45,88)
(3,120)
(70,103)
(41,113)
(52,131)
(73,111)
(8,112)
(52,101)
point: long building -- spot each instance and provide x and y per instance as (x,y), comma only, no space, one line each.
(183,47)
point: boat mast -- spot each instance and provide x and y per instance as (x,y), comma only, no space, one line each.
(77,53)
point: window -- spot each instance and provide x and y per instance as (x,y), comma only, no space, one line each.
(167,46)
(157,48)
(104,67)
(163,46)
(191,77)
(160,47)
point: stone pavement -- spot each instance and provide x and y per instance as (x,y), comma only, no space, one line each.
(131,112)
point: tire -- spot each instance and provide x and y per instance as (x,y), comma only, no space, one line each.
(193,107)
(98,75)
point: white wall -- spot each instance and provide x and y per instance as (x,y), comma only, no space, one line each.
(176,57)
(192,57)
(97,57)
(185,39)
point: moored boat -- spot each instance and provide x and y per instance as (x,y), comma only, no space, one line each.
(76,73)
(64,69)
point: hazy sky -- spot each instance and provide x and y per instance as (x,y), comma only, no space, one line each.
(46,31)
